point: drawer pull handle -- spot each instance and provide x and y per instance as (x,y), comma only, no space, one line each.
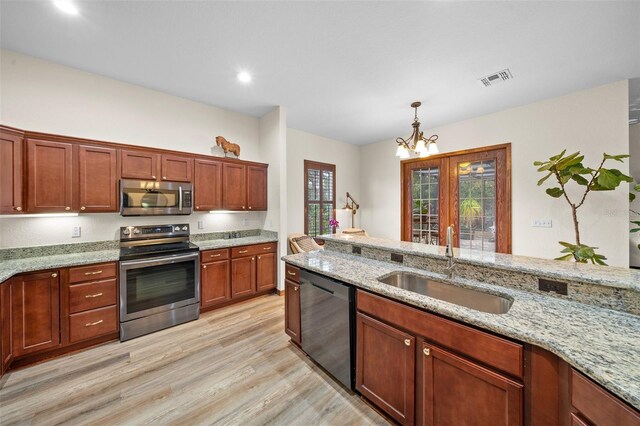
(407,342)
(216,255)
(243,251)
(93,273)
(293,274)
(266,248)
(89,296)
(426,351)
(89,324)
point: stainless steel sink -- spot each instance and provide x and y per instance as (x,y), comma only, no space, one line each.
(473,299)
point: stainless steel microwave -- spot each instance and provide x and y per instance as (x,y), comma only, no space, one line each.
(151,198)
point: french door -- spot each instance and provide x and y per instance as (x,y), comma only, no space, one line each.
(469,189)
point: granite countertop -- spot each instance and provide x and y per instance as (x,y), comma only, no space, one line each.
(601,343)
(610,276)
(235,242)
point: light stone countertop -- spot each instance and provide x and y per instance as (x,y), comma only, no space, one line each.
(602,343)
(610,276)
(234,242)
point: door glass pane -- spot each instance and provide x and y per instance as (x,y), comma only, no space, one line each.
(327,185)
(327,214)
(159,285)
(313,219)
(313,185)
(477,207)
(425,208)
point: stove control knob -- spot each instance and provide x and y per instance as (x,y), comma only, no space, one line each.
(136,231)
(176,228)
(126,231)
(185,228)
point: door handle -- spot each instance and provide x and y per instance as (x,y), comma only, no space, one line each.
(180,198)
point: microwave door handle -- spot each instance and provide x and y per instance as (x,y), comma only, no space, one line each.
(180,198)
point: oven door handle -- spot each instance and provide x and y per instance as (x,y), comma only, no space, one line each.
(160,260)
(180,198)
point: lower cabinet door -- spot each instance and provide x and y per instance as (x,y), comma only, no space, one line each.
(266,271)
(36,312)
(214,283)
(243,277)
(456,391)
(292,311)
(385,367)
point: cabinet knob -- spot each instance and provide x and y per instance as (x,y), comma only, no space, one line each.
(83,208)
(295,289)
(153,177)
(426,351)
(164,177)
(67,208)
(258,257)
(18,209)
(198,207)
(54,275)
(249,207)
(407,342)
(204,266)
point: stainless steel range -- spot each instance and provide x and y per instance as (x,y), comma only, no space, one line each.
(159,278)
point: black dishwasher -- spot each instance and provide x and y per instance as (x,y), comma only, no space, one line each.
(327,324)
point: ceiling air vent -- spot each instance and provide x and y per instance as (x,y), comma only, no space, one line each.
(495,78)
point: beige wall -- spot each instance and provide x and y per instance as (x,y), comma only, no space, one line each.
(43,96)
(306,146)
(634,168)
(592,121)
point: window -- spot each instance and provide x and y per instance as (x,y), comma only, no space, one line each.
(319,197)
(469,189)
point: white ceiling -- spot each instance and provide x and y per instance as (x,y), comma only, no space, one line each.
(345,70)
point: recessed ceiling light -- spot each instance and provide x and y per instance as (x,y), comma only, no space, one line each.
(244,77)
(66,6)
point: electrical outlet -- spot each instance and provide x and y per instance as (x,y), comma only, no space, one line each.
(75,232)
(245,222)
(542,223)
(201,224)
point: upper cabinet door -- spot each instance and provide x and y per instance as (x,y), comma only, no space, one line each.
(177,169)
(139,165)
(98,185)
(257,187)
(49,176)
(208,185)
(11,172)
(234,186)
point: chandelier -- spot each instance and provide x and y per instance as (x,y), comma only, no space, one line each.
(416,143)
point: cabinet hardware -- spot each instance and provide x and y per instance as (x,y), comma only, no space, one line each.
(407,342)
(89,324)
(88,296)
(295,289)
(164,177)
(54,275)
(293,274)
(93,273)
(426,351)
(243,207)
(18,209)
(266,248)
(204,266)
(243,251)
(153,177)
(258,257)
(216,255)
(197,207)
(83,208)
(67,208)
(249,207)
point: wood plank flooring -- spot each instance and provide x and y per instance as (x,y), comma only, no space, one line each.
(234,366)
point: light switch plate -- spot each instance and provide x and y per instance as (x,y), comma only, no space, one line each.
(542,223)
(201,224)
(76,232)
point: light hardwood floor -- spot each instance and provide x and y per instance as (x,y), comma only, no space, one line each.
(234,366)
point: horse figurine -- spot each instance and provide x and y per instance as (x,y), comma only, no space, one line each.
(227,146)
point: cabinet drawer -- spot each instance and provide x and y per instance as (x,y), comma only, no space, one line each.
(253,250)
(94,323)
(213,255)
(292,273)
(83,297)
(92,272)
(598,406)
(494,351)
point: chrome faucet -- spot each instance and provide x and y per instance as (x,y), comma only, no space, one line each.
(451,265)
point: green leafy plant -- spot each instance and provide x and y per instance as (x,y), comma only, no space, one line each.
(632,197)
(567,169)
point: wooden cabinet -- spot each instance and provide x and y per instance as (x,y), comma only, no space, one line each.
(234,186)
(243,276)
(389,385)
(11,151)
(266,271)
(139,165)
(208,185)
(6,326)
(215,285)
(253,269)
(257,187)
(591,404)
(49,177)
(98,179)
(176,169)
(292,310)
(457,391)
(36,315)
